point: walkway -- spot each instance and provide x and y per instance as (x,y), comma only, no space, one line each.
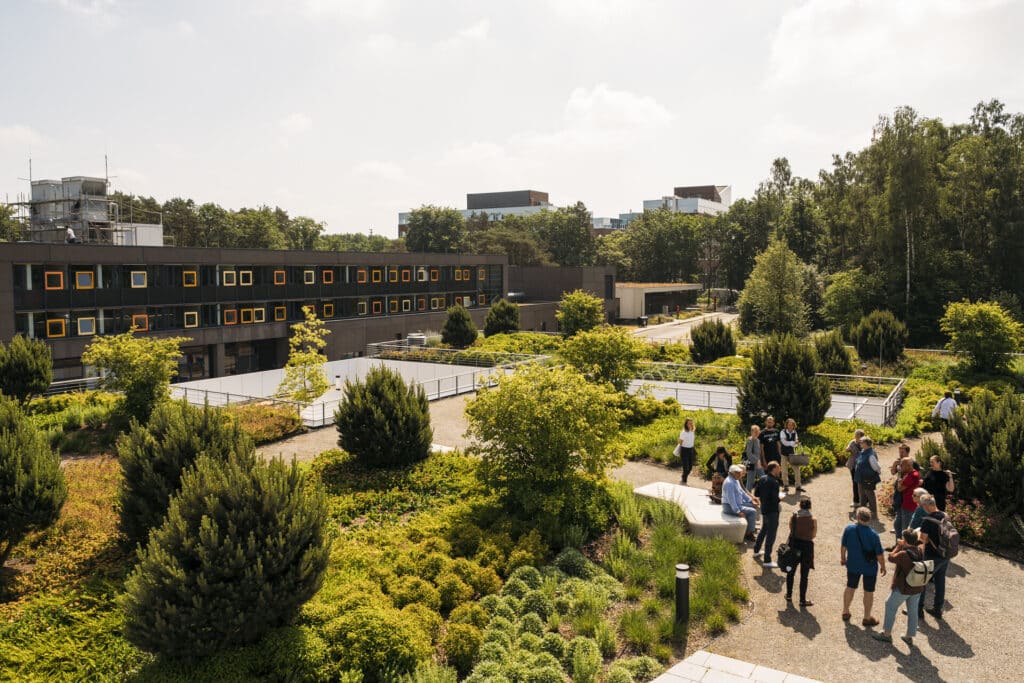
(680,331)
(704,667)
(982,620)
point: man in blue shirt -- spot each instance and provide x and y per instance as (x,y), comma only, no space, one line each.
(861,554)
(736,501)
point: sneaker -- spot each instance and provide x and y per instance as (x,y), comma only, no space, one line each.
(758,553)
(937,613)
(882,637)
(770,565)
(806,603)
(908,640)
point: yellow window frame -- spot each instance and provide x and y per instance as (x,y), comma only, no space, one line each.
(328,310)
(59,274)
(145,279)
(309,277)
(259,315)
(360,308)
(361,276)
(247,316)
(228,278)
(280,313)
(189,278)
(406,305)
(393,306)
(91,279)
(392,274)
(481,299)
(481,273)
(245,278)
(376,276)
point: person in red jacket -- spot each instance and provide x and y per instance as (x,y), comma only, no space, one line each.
(909,479)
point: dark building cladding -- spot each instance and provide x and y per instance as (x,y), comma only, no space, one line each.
(505,200)
(709,192)
(236,305)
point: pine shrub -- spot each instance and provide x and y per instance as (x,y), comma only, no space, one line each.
(461,644)
(384,422)
(26,368)
(459,330)
(242,548)
(503,318)
(782,382)
(32,487)
(154,456)
(832,354)
(711,340)
(879,335)
(380,642)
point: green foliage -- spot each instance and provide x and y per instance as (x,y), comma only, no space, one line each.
(141,367)
(832,354)
(384,422)
(379,642)
(461,644)
(772,300)
(32,487)
(782,382)
(638,409)
(848,295)
(618,673)
(520,342)
(604,354)
(26,368)
(586,660)
(435,229)
(242,548)
(642,668)
(265,423)
(459,330)
(579,311)
(711,340)
(154,456)
(542,434)
(983,333)
(503,318)
(304,378)
(879,335)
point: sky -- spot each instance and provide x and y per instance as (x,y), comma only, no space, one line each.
(350,111)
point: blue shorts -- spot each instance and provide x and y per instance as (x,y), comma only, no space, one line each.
(853,578)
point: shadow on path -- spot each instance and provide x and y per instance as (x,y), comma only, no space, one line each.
(801,621)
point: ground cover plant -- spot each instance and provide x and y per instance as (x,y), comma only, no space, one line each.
(266,423)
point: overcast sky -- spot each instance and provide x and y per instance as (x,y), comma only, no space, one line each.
(350,111)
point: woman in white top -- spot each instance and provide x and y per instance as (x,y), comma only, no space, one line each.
(790,440)
(687,451)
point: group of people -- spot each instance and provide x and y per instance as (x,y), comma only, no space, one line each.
(919,502)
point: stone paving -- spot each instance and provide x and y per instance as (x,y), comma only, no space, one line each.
(705,667)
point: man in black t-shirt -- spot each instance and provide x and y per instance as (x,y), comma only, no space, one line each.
(771,446)
(930,532)
(767,491)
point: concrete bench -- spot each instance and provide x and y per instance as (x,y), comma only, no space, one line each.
(703,517)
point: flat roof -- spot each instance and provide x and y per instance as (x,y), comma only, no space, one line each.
(660,285)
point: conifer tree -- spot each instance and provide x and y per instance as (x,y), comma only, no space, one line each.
(879,335)
(154,455)
(242,548)
(32,488)
(503,318)
(711,340)
(832,354)
(304,378)
(384,422)
(459,330)
(782,382)
(26,368)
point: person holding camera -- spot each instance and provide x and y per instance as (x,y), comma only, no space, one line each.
(861,553)
(906,553)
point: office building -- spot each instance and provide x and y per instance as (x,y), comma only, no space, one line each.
(495,205)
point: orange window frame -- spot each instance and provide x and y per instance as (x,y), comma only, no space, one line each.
(378,307)
(280,313)
(406,275)
(421,303)
(328,276)
(361,276)
(467,275)
(230,316)
(360,308)
(142,318)
(191,318)
(189,278)
(392,274)
(247,316)
(91,279)
(435,275)
(56,327)
(481,299)
(280,277)
(59,275)
(376,276)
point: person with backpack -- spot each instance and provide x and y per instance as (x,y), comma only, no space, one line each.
(867,473)
(907,557)
(767,491)
(941,543)
(861,554)
(802,530)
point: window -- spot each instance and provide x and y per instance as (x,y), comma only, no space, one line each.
(328,310)
(406,305)
(280,313)
(481,299)
(421,303)
(191,318)
(86,326)
(458,275)
(56,328)
(328,276)
(393,306)
(361,308)
(481,273)
(53,279)
(247,316)
(259,315)
(230,317)
(361,276)
(279,277)
(393,275)
(85,279)
(140,321)
(138,279)
(406,275)
(189,278)
(229,278)
(375,275)
(421,274)
(435,275)
(245,278)
(309,277)
(466,274)
(378,307)
(436,303)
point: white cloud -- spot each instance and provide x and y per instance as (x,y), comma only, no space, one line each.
(100,13)
(478,31)
(19,135)
(347,10)
(381,170)
(184,28)
(295,123)
(475,33)
(603,108)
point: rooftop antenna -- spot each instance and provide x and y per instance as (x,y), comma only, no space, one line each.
(29,179)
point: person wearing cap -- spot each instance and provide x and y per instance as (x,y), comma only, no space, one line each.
(737,502)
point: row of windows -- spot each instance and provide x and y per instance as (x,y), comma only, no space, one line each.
(86,278)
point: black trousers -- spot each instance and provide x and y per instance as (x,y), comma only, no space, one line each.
(856,491)
(805,570)
(687,456)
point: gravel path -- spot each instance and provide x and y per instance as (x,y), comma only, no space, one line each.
(982,617)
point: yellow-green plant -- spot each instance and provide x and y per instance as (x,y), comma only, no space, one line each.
(304,378)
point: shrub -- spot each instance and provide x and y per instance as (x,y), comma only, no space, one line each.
(832,354)
(470,613)
(265,423)
(782,382)
(536,602)
(880,336)
(503,318)
(378,642)
(555,645)
(382,421)
(405,590)
(515,587)
(26,368)
(983,333)
(429,672)
(531,623)
(573,563)
(642,668)
(711,340)
(638,410)
(242,548)
(604,354)
(32,487)
(586,660)
(579,311)
(461,644)
(528,575)
(154,456)
(459,330)
(605,638)
(452,589)
(427,619)
(618,673)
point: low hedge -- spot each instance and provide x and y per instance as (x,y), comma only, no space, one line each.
(266,423)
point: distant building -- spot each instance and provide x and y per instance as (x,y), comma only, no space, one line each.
(705,200)
(495,205)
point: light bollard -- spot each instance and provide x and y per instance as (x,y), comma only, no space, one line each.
(682,593)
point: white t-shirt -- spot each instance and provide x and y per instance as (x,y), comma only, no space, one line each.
(687,438)
(944,408)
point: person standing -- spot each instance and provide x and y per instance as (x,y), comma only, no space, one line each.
(852,451)
(767,491)
(938,482)
(770,447)
(910,479)
(752,459)
(930,533)
(736,501)
(915,519)
(867,474)
(945,408)
(69,236)
(861,553)
(789,439)
(904,555)
(802,530)
(687,439)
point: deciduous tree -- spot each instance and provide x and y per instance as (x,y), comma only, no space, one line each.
(983,333)
(435,229)
(604,354)
(579,311)
(304,378)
